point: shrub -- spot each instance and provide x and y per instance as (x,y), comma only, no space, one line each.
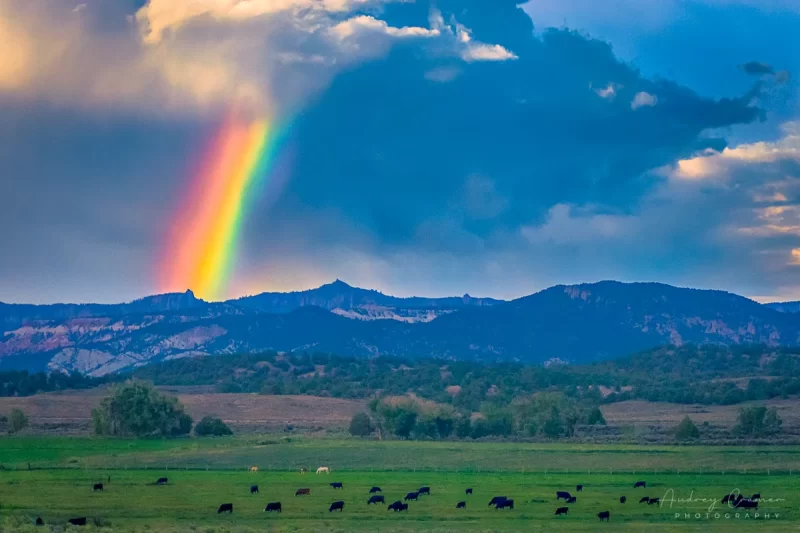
(211,426)
(758,422)
(686,430)
(137,409)
(17,421)
(361,425)
(596,417)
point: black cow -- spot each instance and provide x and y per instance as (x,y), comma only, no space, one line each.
(572,499)
(424,490)
(273,506)
(640,484)
(337,485)
(161,481)
(562,510)
(39,521)
(374,490)
(578,488)
(746,504)
(411,496)
(225,508)
(563,494)
(254,489)
(336,505)
(496,500)
(461,505)
(302,492)
(97,486)
(468,491)
(398,506)
(376,499)
(604,515)
(622,499)
(646,499)
(653,501)
(756,496)
(505,504)
(77,521)
(728,498)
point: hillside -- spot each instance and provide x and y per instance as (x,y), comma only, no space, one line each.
(578,323)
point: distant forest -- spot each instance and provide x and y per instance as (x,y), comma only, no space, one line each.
(22,383)
(686,374)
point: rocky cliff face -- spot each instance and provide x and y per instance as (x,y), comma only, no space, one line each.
(570,323)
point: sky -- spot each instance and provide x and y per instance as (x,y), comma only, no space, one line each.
(489,147)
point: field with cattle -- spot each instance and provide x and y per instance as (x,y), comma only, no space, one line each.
(53,478)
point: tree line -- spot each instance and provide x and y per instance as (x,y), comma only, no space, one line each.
(709,375)
(23,383)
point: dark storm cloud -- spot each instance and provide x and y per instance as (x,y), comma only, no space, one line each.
(757,69)
(393,149)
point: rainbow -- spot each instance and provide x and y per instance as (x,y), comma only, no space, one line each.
(201,247)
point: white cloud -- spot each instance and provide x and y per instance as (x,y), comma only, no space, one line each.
(643,99)
(477,51)
(609,92)
(363,23)
(717,164)
(567,225)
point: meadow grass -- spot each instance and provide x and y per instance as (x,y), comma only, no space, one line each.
(57,489)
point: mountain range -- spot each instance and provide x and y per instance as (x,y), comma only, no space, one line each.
(575,323)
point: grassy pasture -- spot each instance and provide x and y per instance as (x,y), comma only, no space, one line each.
(205,473)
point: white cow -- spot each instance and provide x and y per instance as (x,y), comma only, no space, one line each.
(323,469)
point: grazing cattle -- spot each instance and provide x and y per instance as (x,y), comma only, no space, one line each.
(398,506)
(424,490)
(161,481)
(646,499)
(572,499)
(97,486)
(273,506)
(323,469)
(579,488)
(563,494)
(336,505)
(604,515)
(622,499)
(562,510)
(39,521)
(254,469)
(461,505)
(411,496)
(374,490)
(653,501)
(254,489)
(77,521)
(225,508)
(505,504)
(302,492)
(496,500)
(640,484)
(376,499)
(303,470)
(746,504)
(337,485)
(468,491)
(756,496)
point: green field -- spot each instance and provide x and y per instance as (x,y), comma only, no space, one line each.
(206,473)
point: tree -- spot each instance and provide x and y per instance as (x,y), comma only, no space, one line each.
(596,417)
(137,409)
(758,422)
(686,430)
(17,421)
(361,425)
(211,426)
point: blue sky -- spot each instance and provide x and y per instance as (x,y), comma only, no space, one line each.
(490,147)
